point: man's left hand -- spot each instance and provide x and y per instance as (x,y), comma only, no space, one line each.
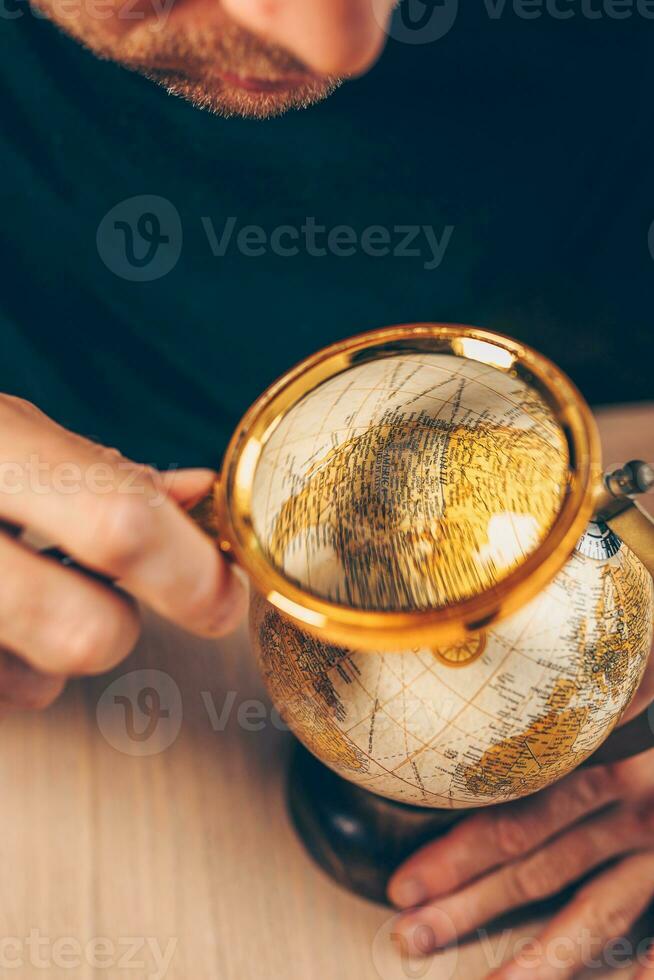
(598,821)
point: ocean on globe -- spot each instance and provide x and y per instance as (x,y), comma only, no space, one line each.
(412,482)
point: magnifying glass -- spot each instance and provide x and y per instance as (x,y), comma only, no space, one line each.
(414,485)
(452,605)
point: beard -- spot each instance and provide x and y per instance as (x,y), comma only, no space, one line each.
(227,101)
(195,52)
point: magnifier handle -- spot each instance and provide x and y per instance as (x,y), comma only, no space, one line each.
(635,527)
(616,506)
(205,515)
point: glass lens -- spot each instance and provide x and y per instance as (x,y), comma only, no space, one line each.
(409,482)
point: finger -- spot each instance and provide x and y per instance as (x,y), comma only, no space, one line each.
(633,777)
(602,911)
(23,687)
(646,971)
(333,37)
(111,516)
(59,620)
(185,486)
(493,838)
(542,874)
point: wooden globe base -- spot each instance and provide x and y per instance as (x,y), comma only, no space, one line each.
(358,838)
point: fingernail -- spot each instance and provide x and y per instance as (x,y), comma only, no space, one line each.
(407,892)
(30,690)
(514,972)
(518,971)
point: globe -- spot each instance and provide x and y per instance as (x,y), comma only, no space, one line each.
(413,482)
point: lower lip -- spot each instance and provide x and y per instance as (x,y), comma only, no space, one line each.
(262,85)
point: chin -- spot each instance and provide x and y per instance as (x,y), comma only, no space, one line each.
(216,96)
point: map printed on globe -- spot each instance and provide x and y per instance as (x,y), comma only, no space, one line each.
(412,482)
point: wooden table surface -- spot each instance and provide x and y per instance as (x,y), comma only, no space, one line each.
(125,856)
(188,850)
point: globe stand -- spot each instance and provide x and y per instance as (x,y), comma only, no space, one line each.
(358,838)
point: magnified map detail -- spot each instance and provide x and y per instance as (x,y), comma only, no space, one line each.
(411,482)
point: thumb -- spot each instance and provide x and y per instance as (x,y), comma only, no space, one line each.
(188,487)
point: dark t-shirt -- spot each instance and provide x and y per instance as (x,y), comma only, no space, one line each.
(526,146)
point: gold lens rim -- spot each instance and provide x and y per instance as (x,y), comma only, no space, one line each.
(373,630)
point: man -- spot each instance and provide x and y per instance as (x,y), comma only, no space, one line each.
(163,263)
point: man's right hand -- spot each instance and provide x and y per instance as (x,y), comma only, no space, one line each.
(122,521)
